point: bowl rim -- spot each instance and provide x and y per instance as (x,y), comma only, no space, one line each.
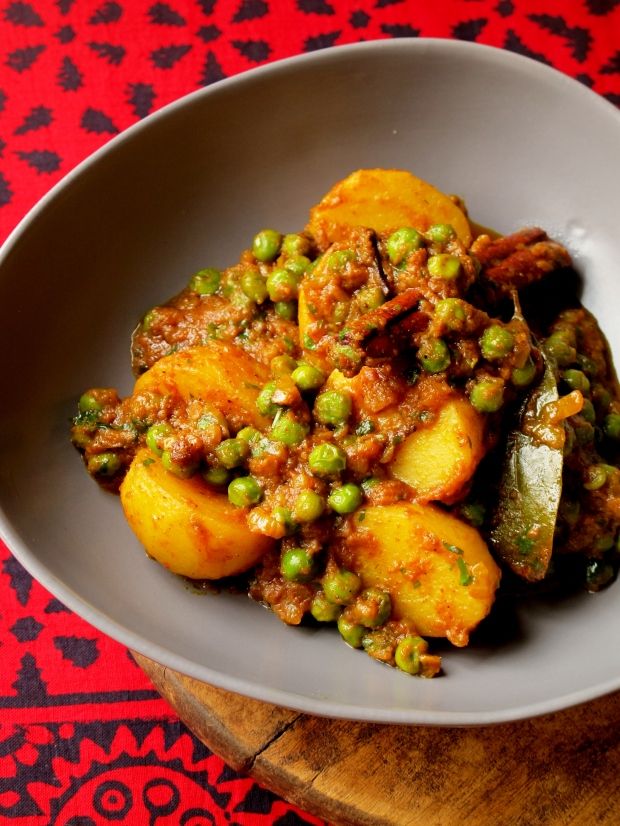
(124,635)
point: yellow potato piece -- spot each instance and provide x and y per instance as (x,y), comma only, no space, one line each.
(219,373)
(385,199)
(437,569)
(439,460)
(186,525)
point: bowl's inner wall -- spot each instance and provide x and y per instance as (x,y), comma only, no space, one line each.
(188,189)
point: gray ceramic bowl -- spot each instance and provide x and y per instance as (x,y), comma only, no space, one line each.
(188,187)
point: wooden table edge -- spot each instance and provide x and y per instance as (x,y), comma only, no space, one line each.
(364,774)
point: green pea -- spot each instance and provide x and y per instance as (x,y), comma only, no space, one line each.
(217,476)
(588,412)
(282,285)
(407,655)
(444,266)
(598,574)
(372,607)
(402,243)
(369,298)
(595,477)
(369,483)
(205,282)
(155,435)
(341,586)
(297,565)
(282,365)
(338,259)
(307,377)
(253,285)
(244,491)
(451,313)
(266,245)
(576,380)
(611,426)
(294,244)
(345,499)
(297,265)
(601,397)
(524,376)
(559,346)
(351,632)
(308,506)
(332,407)
(231,452)
(566,331)
(176,468)
(584,433)
(327,460)
(487,395)
(209,419)
(440,233)
(496,342)
(264,403)
(434,355)
(284,517)
(286,310)
(322,609)
(104,464)
(287,430)
(569,440)
(89,404)
(248,434)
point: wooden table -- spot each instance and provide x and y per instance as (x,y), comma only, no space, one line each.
(563,768)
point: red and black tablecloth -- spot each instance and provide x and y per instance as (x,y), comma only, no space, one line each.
(84,738)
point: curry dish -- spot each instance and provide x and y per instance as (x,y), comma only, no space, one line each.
(371,422)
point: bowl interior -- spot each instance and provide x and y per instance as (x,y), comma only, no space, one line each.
(188,188)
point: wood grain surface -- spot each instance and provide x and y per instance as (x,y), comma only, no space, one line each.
(558,769)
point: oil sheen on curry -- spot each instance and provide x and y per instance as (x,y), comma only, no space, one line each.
(369,423)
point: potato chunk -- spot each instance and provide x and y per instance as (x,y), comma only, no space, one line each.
(437,570)
(219,373)
(439,460)
(185,524)
(384,199)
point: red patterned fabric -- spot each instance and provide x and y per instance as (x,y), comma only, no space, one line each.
(84,738)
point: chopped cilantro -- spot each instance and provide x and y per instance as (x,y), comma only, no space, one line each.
(140,425)
(452,548)
(86,417)
(364,427)
(465,577)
